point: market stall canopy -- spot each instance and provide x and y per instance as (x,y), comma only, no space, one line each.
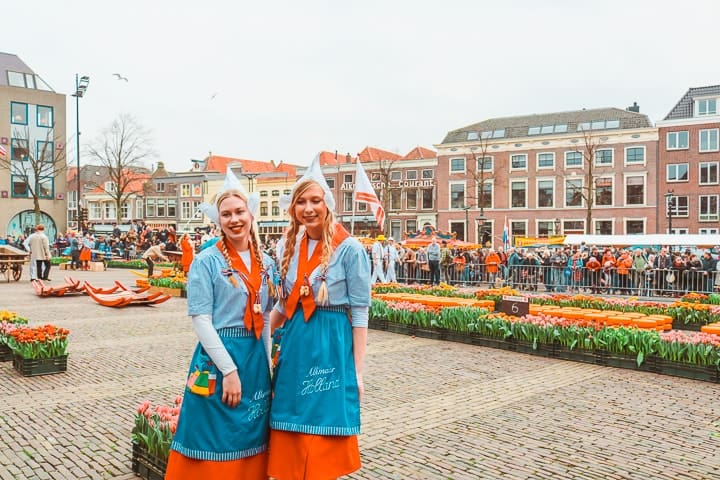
(699,241)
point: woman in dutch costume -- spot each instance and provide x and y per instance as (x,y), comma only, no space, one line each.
(319,343)
(223,427)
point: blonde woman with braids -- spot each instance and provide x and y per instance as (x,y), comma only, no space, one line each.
(321,334)
(222,431)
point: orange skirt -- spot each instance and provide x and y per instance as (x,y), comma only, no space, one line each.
(184,468)
(298,456)
(85,254)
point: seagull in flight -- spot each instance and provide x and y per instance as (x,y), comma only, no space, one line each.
(212,97)
(120,77)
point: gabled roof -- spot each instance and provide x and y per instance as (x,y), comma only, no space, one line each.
(684,108)
(135,185)
(216,163)
(334,158)
(517,127)
(372,154)
(13,63)
(419,153)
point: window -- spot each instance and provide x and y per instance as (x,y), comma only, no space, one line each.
(110,187)
(185,190)
(197,190)
(500,133)
(428,198)
(573,192)
(603,227)
(330,181)
(680,206)
(428,174)
(457,165)
(374,177)
(44,116)
(573,226)
(18,113)
(288,191)
(395,199)
(635,155)
(457,195)
(263,209)
(411,226)
(139,209)
(72,199)
(544,228)
(45,187)
(604,157)
(396,229)
(160,187)
(678,140)
(546,160)
(19,149)
(110,210)
(348,178)
(473,135)
(161,212)
(598,125)
(484,164)
(45,152)
(185,212)
(275,208)
(634,190)
(171,207)
(545,193)
(707,106)
(518,228)
(411,175)
(411,199)
(518,162)
(709,140)
(518,193)
(604,191)
(547,129)
(485,194)
(709,208)
(708,173)
(150,207)
(634,227)
(709,231)
(263,193)
(275,193)
(677,172)
(573,159)
(19,186)
(347,201)
(94,211)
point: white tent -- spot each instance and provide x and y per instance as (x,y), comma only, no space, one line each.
(699,241)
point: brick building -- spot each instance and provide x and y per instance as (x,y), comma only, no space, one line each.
(689,155)
(539,171)
(406,185)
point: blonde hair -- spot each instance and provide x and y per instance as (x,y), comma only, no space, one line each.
(325,240)
(254,238)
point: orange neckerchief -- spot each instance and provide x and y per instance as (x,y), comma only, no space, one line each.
(305,267)
(253,279)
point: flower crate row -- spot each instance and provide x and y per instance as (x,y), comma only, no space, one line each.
(431,301)
(34,351)
(546,332)
(607,318)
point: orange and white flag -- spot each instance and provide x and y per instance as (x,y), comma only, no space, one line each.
(364,192)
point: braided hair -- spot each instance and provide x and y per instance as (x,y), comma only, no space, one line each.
(253,234)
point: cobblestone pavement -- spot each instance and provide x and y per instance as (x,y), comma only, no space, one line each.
(433,410)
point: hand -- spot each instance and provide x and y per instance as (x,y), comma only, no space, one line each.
(232,390)
(361,385)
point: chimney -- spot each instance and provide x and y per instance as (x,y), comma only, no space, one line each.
(348,158)
(634,108)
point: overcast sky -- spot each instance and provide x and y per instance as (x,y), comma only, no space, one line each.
(292,78)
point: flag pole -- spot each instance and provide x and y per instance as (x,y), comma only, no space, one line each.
(352,219)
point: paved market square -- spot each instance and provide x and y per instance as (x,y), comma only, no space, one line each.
(433,409)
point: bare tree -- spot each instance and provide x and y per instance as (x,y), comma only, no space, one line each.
(121,149)
(384,172)
(587,192)
(36,163)
(480,171)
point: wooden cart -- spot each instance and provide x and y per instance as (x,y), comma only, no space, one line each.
(11,262)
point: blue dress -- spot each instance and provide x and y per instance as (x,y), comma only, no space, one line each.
(207,428)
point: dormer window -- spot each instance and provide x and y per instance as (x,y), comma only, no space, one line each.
(706,106)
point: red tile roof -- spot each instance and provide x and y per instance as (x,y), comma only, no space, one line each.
(135,185)
(216,163)
(372,154)
(419,153)
(334,158)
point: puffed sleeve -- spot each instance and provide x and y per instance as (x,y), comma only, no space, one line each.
(200,287)
(357,273)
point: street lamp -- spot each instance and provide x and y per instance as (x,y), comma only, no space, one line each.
(480,220)
(467,223)
(250,177)
(670,205)
(556,223)
(81,84)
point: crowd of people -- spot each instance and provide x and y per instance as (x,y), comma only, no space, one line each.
(585,269)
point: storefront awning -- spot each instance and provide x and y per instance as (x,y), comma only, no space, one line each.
(358,218)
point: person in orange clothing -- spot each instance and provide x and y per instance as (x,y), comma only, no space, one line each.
(188,253)
(624,265)
(492,264)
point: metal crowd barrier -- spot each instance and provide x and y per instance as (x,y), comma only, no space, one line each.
(609,281)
